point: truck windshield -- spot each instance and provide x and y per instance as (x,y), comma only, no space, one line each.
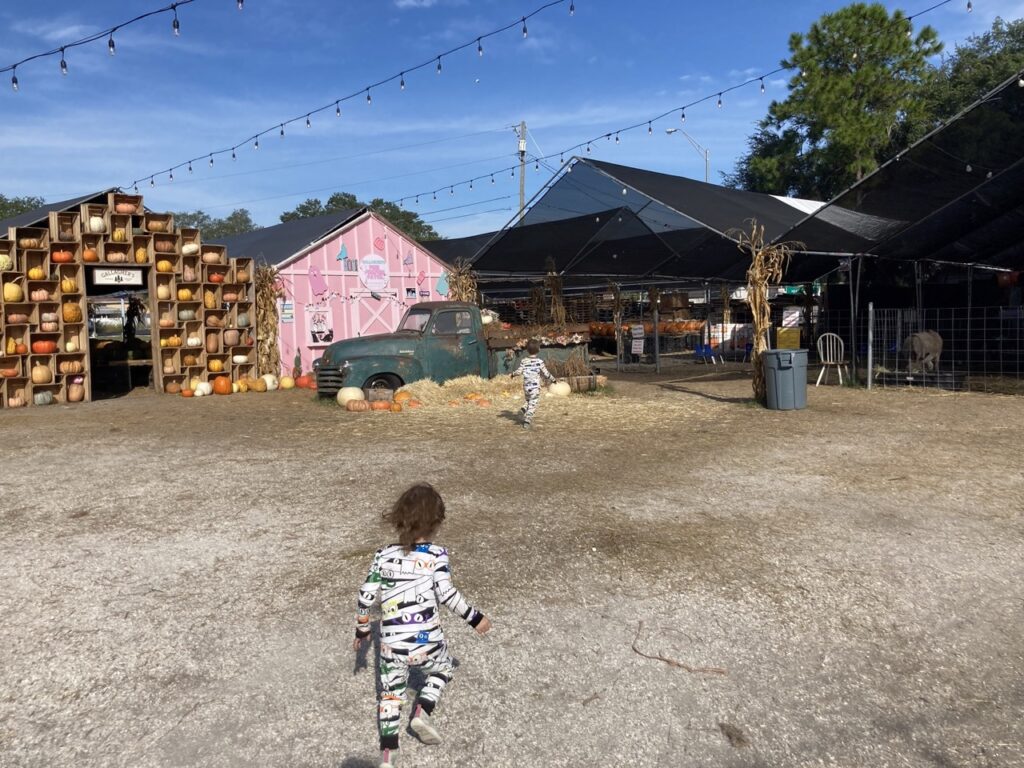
(415,321)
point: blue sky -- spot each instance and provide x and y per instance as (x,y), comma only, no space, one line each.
(163,99)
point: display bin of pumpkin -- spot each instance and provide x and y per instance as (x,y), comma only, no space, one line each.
(241,271)
(49,319)
(217,364)
(166,263)
(170,362)
(10,368)
(20,314)
(72,338)
(158,223)
(95,219)
(142,249)
(32,239)
(14,340)
(8,257)
(14,289)
(65,226)
(91,246)
(70,279)
(64,253)
(37,266)
(15,393)
(213,254)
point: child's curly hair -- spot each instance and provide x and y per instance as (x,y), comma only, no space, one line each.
(416,515)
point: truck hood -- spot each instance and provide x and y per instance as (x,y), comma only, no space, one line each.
(386,344)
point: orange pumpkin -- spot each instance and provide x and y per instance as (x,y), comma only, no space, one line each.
(61,257)
(44,347)
(473,396)
(172,388)
(90,254)
(20,349)
(380,405)
(357,406)
(72,313)
(187,393)
(453,403)
(302,382)
(216,277)
(483,402)
(403,397)
(222,385)
(396,407)
(413,404)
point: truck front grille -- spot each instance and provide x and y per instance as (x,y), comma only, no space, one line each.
(329,380)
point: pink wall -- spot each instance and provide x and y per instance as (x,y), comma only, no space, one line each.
(328,296)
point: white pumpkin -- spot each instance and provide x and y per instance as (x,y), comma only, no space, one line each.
(560,389)
(271,380)
(204,388)
(6,264)
(193,341)
(349,393)
(189,249)
(71,345)
(97,224)
(287,382)
(239,359)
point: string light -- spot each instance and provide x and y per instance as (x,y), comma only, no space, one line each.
(524,27)
(682,116)
(451,191)
(256,144)
(970,6)
(241,4)
(479,47)
(616,138)
(111,48)
(470,185)
(762,85)
(233,155)
(1020,81)
(337,109)
(176,25)
(211,161)
(170,175)
(63,63)
(439,65)
(572,8)
(536,165)
(650,130)
(190,167)
(401,85)
(492,178)
(719,100)
(14,80)
(369,99)
(308,123)
(151,182)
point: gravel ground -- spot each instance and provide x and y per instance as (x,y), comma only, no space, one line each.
(838,586)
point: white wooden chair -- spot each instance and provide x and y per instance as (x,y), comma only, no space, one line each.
(831,352)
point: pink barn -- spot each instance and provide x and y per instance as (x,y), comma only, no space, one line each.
(345,274)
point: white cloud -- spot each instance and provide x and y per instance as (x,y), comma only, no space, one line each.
(404,4)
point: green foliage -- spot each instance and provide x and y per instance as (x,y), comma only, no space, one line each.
(407,221)
(237,222)
(858,80)
(12,206)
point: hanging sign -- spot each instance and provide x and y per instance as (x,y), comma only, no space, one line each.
(638,347)
(115,276)
(373,272)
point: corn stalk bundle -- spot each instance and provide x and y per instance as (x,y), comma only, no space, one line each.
(538,311)
(462,284)
(653,297)
(553,284)
(268,291)
(768,264)
(726,295)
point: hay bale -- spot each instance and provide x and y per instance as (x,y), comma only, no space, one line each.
(430,393)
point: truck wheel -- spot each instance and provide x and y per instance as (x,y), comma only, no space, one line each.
(383,381)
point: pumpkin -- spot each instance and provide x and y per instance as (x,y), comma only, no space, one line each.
(42,398)
(76,390)
(28,242)
(209,299)
(186,314)
(483,402)
(17,318)
(49,326)
(560,389)
(357,406)
(173,341)
(164,265)
(172,387)
(126,208)
(187,393)
(119,235)
(36,273)
(231,337)
(154,225)
(222,385)
(194,341)
(42,347)
(116,256)
(8,373)
(62,257)
(380,405)
(287,382)
(242,276)
(42,374)
(72,313)
(71,345)
(163,245)
(215,365)
(163,292)
(240,360)
(454,403)
(169,366)
(190,249)
(212,342)
(243,320)
(259,385)
(211,257)
(90,254)
(473,396)
(272,382)
(190,359)
(141,254)
(403,397)
(6,262)
(39,294)
(396,407)
(48,317)
(20,349)
(97,224)
(17,400)
(10,345)
(184,294)
(68,285)
(216,277)
(243,385)
(229,297)
(194,383)
(215,321)
(188,274)
(70,366)
(205,388)
(302,382)
(346,394)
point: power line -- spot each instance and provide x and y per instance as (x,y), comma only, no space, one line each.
(365,91)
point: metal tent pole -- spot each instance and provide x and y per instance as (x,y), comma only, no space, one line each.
(871,341)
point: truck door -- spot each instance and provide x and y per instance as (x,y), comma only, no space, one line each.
(451,346)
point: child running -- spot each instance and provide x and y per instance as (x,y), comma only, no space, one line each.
(531,368)
(413,578)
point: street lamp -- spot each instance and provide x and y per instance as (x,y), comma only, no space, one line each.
(704,152)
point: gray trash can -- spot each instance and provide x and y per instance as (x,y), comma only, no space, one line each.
(785,373)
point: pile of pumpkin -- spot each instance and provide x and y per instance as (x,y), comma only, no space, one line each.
(664,328)
(353,399)
(222,385)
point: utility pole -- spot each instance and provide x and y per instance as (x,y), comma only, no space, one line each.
(522,167)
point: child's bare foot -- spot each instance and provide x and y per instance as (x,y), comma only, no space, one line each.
(422,727)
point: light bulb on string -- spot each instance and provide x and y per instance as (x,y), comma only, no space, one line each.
(492,178)
(282,130)
(136,187)
(417,199)
(233,155)
(111,48)
(451,191)
(211,161)
(14,79)
(572,8)
(175,25)
(308,123)
(256,145)
(63,63)
(969,169)
(616,138)
(151,182)
(682,116)
(435,195)
(479,47)
(439,65)
(524,27)
(588,148)
(970,6)
(536,165)
(369,99)
(337,109)
(513,173)
(170,175)
(561,158)
(470,185)
(190,166)
(401,82)
(1020,81)
(241,4)
(650,130)
(719,101)
(762,85)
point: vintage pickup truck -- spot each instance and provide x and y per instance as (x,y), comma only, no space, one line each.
(437,340)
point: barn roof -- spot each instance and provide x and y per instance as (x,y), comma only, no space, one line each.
(41,215)
(273,245)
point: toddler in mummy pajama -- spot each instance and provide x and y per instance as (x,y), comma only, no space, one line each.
(531,368)
(413,578)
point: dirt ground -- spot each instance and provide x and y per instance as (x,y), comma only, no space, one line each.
(839,586)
